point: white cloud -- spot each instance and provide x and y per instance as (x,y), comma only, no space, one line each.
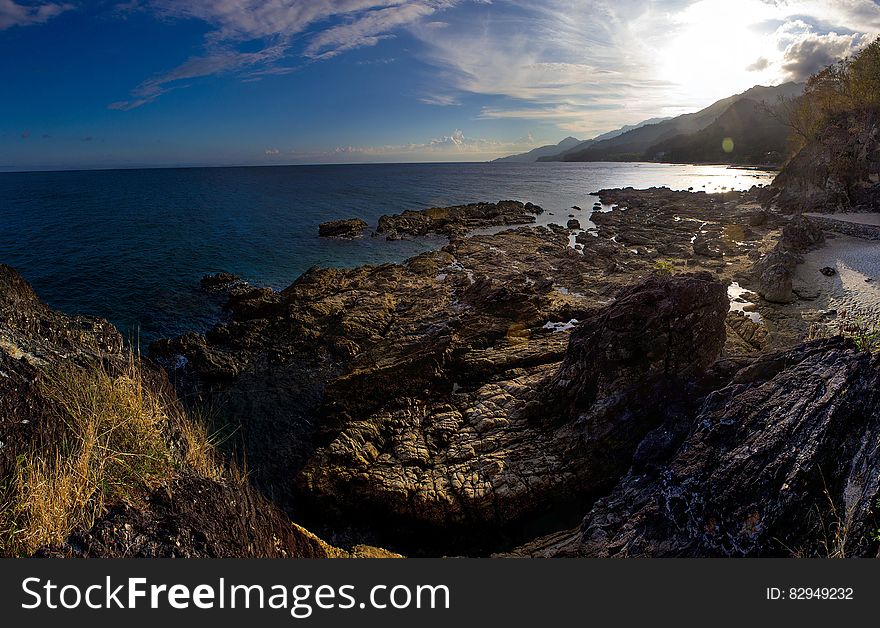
(14,14)
(440,100)
(453,147)
(278,25)
(586,66)
(589,66)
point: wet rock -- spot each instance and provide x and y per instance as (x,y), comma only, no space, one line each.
(828,271)
(349,228)
(573,224)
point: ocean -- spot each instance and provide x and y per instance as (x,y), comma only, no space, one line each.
(131,245)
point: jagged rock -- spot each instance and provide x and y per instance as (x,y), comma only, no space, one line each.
(800,235)
(349,228)
(784,460)
(530,440)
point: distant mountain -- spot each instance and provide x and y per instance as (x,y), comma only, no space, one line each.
(633,145)
(612,134)
(543,151)
(746,133)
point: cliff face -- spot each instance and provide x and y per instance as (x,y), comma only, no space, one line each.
(837,170)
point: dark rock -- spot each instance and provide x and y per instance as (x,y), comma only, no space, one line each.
(186,515)
(773,274)
(349,228)
(782,461)
(800,235)
(219,282)
(537,437)
(828,271)
(457,220)
(573,224)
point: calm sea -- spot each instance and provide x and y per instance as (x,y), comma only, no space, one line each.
(131,245)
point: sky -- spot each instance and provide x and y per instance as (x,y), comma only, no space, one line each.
(108,84)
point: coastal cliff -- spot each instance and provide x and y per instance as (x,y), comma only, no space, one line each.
(836,131)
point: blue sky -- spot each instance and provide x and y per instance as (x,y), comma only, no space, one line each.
(172,82)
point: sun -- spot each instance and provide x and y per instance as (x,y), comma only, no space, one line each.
(710,47)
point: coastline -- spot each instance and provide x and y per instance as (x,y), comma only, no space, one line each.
(484,397)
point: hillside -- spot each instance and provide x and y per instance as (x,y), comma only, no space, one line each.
(542,151)
(755,134)
(835,163)
(632,145)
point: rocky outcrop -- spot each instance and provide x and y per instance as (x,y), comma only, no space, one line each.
(187,514)
(535,438)
(416,394)
(349,228)
(457,220)
(782,460)
(345,345)
(198,518)
(837,170)
(220,283)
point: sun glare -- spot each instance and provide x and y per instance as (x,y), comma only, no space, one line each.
(712,46)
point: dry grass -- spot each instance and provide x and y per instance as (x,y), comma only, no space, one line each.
(122,439)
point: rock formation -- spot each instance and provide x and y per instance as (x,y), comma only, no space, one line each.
(350,228)
(456,220)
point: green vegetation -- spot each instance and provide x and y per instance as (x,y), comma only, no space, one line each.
(664,266)
(120,439)
(849,86)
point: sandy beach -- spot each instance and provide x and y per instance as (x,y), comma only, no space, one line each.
(854,289)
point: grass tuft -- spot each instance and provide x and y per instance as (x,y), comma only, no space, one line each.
(122,439)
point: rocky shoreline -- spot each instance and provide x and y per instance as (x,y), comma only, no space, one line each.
(430,406)
(648,388)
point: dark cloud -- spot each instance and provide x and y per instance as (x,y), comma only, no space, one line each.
(813,53)
(760,64)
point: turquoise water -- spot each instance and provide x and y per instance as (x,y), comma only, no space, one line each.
(131,245)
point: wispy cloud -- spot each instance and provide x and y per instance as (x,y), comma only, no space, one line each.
(15,14)
(319,29)
(440,100)
(454,146)
(588,66)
